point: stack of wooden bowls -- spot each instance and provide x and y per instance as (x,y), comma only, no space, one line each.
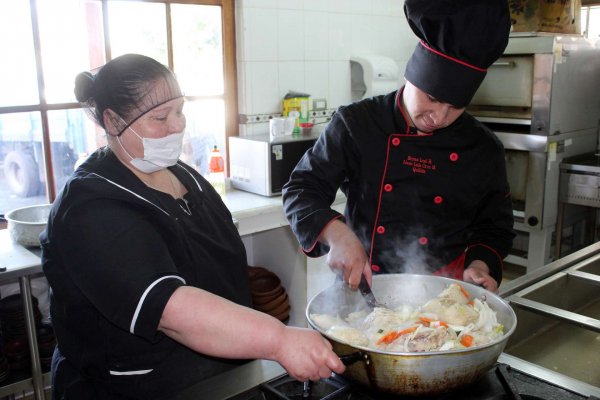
(15,346)
(268,294)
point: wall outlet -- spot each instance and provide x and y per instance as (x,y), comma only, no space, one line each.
(319,104)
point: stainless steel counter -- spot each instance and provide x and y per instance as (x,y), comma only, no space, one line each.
(558,314)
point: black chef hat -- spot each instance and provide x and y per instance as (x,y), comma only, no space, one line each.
(460,39)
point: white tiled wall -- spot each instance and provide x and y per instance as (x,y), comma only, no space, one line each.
(305,46)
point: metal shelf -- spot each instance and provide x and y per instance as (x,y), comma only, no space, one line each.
(23,385)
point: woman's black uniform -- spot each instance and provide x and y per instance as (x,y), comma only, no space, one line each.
(419,203)
(114,252)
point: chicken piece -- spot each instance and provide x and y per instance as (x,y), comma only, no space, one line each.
(430,340)
(423,339)
(451,306)
(349,335)
(455,293)
(434,306)
(458,314)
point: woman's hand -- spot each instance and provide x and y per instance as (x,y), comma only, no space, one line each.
(478,273)
(306,355)
(346,253)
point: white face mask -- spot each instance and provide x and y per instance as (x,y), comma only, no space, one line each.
(159,153)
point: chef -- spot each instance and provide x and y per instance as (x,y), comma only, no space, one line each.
(425,182)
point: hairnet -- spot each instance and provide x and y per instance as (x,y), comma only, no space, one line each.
(130,85)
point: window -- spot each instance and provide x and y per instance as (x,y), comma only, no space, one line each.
(44,133)
(590,22)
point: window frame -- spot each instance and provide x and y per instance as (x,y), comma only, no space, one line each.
(229,95)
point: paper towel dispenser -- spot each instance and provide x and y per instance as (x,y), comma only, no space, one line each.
(372,76)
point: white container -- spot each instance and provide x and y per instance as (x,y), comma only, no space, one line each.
(281,126)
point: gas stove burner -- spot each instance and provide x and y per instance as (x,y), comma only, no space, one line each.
(288,388)
(499,383)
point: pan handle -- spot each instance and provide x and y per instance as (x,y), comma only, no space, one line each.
(354,357)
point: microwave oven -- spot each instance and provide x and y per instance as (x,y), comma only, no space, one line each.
(261,164)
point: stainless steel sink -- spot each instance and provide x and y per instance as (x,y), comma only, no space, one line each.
(558,346)
(566,291)
(558,318)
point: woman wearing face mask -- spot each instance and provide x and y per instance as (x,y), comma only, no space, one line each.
(150,292)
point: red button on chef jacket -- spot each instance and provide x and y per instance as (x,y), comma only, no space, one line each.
(380,229)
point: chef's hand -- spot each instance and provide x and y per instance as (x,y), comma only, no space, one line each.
(478,273)
(346,253)
(306,355)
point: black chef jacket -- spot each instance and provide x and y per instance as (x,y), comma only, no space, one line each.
(417,202)
(114,252)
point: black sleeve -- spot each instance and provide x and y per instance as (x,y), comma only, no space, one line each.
(308,195)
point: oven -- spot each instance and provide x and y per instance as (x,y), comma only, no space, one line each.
(541,100)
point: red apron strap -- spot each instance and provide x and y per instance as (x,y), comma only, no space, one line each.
(454,269)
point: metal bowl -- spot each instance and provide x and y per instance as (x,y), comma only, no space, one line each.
(25,224)
(417,373)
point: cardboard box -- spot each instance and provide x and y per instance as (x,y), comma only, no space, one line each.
(552,16)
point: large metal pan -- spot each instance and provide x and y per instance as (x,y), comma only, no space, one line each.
(425,373)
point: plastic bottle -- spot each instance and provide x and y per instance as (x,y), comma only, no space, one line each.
(216,168)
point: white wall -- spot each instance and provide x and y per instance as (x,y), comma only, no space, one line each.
(305,46)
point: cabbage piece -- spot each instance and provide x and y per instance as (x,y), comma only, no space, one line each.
(487,320)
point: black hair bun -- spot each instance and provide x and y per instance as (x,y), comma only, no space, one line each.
(84,83)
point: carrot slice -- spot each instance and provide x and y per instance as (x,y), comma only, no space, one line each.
(429,322)
(466,340)
(464,292)
(393,335)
